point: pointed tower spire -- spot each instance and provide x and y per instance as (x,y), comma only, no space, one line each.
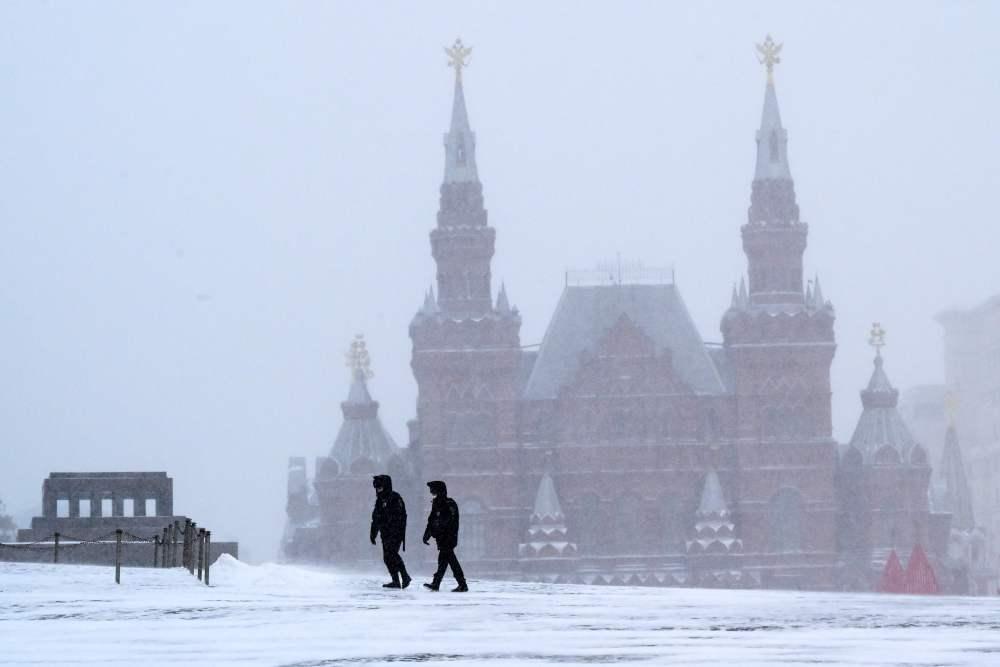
(880,424)
(503,304)
(734,301)
(818,293)
(430,303)
(547,533)
(744,297)
(459,141)
(714,530)
(955,496)
(774,238)
(713,501)
(772,139)
(547,506)
(463,243)
(361,435)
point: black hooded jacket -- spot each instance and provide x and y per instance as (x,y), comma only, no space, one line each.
(442,523)
(389,514)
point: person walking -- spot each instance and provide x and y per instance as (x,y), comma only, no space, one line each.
(442,525)
(389,519)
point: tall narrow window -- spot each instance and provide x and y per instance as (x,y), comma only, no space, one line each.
(84,508)
(150,506)
(62,507)
(128,507)
(107,507)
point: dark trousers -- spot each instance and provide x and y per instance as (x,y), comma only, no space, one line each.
(447,557)
(393,561)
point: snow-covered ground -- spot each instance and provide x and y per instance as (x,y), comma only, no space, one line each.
(285,615)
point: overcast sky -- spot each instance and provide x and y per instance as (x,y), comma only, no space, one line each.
(203,202)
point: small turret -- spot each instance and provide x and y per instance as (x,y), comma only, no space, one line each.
(714,530)
(547,532)
(503,305)
(361,435)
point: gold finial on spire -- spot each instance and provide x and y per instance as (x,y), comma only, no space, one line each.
(457,55)
(769,56)
(357,358)
(877,338)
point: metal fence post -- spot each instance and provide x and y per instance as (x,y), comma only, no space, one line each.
(55,551)
(163,547)
(188,541)
(118,556)
(184,543)
(208,553)
(201,551)
(156,551)
(191,547)
(173,557)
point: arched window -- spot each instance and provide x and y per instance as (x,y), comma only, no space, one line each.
(785,518)
(472,525)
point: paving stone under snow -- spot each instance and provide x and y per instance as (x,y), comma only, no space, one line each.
(285,615)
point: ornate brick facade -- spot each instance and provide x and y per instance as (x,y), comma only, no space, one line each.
(662,459)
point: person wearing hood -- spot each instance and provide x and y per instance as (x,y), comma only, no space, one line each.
(442,525)
(389,519)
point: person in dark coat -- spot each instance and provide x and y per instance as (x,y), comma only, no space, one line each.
(389,519)
(442,525)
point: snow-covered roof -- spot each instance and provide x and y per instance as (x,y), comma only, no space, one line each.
(586,313)
(547,501)
(713,501)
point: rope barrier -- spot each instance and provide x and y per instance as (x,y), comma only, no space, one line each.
(191,552)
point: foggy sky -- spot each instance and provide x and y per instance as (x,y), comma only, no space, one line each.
(203,202)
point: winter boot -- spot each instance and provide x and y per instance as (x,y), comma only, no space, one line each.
(462,588)
(431,587)
(395,581)
(406,579)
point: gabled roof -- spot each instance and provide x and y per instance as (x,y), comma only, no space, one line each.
(586,313)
